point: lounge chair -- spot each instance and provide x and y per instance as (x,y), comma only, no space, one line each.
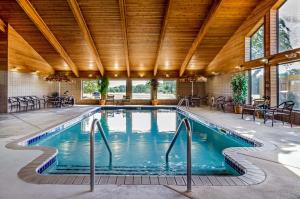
(284,109)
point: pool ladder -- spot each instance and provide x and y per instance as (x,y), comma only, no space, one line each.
(187,125)
(181,101)
(92,152)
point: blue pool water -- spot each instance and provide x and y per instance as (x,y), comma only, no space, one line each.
(139,140)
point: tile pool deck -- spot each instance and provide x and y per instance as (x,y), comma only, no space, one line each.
(281,163)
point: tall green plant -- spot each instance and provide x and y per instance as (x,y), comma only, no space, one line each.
(239,85)
(103,84)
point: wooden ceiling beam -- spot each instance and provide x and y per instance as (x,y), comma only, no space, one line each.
(122,5)
(86,33)
(162,35)
(42,26)
(202,32)
(2,26)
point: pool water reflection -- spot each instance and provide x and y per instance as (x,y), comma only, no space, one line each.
(139,140)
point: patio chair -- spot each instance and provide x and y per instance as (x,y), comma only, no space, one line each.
(24,103)
(228,102)
(252,108)
(110,98)
(38,101)
(32,104)
(13,103)
(67,101)
(54,101)
(126,98)
(204,99)
(218,103)
(284,109)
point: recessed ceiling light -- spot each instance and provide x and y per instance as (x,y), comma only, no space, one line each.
(214,73)
(91,65)
(116,65)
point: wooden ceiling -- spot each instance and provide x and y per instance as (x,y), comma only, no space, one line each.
(124,35)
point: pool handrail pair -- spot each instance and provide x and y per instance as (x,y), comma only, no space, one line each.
(181,101)
(187,125)
(184,121)
(92,152)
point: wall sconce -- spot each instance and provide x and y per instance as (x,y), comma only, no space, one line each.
(167,75)
(142,74)
(90,75)
(116,75)
(264,60)
(214,73)
(291,55)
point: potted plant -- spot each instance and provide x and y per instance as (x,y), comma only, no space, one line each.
(239,87)
(103,84)
(154,85)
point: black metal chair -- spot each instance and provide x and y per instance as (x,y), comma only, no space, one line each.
(284,109)
(13,103)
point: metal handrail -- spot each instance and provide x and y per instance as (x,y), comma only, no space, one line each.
(92,151)
(187,103)
(186,122)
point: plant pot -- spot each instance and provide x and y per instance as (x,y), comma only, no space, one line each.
(154,102)
(102,102)
(238,109)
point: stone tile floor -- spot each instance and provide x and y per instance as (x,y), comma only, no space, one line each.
(281,164)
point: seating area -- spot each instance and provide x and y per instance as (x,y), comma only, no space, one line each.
(26,103)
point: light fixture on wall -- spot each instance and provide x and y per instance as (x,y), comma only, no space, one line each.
(116,75)
(167,75)
(90,75)
(291,55)
(264,60)
(214,73)
(141,74)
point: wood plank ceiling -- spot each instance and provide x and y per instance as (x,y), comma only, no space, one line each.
(129,35)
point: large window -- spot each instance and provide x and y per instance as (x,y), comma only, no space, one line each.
(257,44)
(89,89)
(117,88)
(141,89)
(166,89)
(257,83)
(289,83)
(289,25)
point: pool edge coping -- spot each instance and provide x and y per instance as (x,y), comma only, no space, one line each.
(252,174)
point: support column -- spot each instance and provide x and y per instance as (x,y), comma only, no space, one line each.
(129,88)
(3,68)
(267,52)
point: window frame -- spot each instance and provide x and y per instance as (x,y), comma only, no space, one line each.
(82,92)
(125,86)
(140,79)
(168,79)
(250,40)
(250,82)
(277,81)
